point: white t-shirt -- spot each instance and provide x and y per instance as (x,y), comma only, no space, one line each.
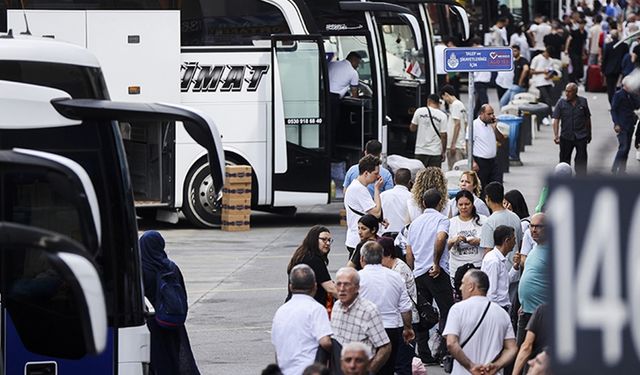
(540,63)
(386,289)
(297,328)
(484,77)
(458,112)
(358,198)
(427,140)
(465,253)
(488,341)
(539,32)
(422,236)
(484,140)
(394,207)
(341,77)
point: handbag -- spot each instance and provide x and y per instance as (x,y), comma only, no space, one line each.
(447,360)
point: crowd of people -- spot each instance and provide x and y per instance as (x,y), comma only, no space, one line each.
(594,44)
(427,280)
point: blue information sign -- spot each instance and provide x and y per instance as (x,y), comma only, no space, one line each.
(487,59)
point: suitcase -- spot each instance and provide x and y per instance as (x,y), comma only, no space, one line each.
(595,80)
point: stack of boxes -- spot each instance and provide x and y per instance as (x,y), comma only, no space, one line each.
(236,198)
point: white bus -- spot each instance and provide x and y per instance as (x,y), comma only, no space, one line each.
(65,188)
(259,67)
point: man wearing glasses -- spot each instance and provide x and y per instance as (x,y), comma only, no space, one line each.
(534,283)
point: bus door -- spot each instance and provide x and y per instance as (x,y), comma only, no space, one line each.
(300,130)
(404,48)
(404,73)
(50,226)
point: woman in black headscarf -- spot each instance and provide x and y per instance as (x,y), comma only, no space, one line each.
(170,349)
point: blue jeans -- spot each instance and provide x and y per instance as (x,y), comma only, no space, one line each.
(624,145)
(506,98)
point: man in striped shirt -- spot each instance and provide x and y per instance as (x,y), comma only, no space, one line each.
(356,319)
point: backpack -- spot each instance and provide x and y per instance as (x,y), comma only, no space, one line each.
(171,301)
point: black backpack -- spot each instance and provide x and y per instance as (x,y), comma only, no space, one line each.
(171,301)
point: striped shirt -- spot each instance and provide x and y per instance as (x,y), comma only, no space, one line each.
(359,321)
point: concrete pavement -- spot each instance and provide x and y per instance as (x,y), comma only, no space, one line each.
(236,281)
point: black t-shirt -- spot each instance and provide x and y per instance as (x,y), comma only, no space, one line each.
(538,325)
(578,40)
(322,275)
(518,66)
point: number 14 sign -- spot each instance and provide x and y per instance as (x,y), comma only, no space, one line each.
(595,275)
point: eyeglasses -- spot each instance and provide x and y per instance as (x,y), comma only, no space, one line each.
(533,226)
(325,240)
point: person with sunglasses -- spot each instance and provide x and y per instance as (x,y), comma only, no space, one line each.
(314,252)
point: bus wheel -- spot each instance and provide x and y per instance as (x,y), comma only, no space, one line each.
(200,205)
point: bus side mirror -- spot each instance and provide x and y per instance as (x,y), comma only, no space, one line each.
(50,286)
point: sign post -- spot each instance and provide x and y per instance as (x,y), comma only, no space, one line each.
(476,59)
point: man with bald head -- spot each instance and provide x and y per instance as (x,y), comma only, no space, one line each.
(485,148)
(572,127)
(534,286)
(300,325)
(356,319)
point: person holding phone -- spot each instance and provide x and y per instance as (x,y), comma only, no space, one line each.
(464,234)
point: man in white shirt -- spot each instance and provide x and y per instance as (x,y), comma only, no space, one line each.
(537,32)
(456,127)
(485,149)
(394,202)
(493,345)
(343,76)
(358,201)
(386,289)
(497,268)
(542,71)
(431,140)
(300,325)
(428,257)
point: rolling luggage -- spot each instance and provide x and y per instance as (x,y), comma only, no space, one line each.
(595,80)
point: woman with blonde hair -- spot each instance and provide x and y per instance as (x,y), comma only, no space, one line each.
(430,177)
(470,182)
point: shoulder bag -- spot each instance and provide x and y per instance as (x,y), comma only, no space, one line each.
(432,124)
(447,360)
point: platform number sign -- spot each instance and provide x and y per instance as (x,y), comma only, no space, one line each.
(594,228)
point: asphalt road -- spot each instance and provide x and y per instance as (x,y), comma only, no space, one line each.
(236,281)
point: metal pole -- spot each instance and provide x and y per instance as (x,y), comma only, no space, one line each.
(470,121)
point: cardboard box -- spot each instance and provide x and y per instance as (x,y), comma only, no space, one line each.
(232,222)
(235,200)
(231,208)
(237,174)
(343,217)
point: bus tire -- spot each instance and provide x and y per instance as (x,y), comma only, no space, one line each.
(200,204)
